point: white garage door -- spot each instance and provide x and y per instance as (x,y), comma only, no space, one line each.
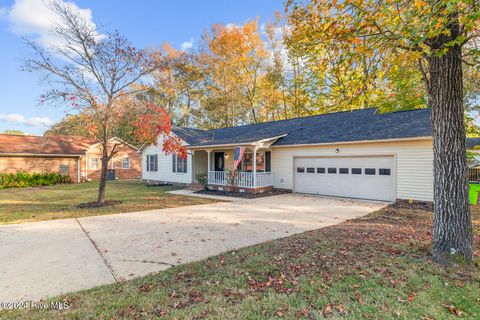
(354,177)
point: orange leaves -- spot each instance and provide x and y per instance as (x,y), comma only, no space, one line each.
(173,145)
(419,4)
(152,121)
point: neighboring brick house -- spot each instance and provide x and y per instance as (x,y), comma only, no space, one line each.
(78,157)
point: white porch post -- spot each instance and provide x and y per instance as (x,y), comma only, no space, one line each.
(254,160)
(208,165)
(192,165)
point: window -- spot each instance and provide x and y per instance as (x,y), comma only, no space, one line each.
(356,171)
(179,165)
(126,163)
(343,170)
(94,163)
(320,170)
(332,170)
(310,170)
(300,169)
(384,172)
(370,171)
(64,169)
(263,162)
(152,162)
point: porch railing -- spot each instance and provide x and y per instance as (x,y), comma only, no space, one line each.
(474,174)
(242,179)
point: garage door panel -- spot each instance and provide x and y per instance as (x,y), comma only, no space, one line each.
(366,186)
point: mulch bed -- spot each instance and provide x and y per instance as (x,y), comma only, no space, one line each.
(94,204)
(159,184)
(246,195)
(412,205)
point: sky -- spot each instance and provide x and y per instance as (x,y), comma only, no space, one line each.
(145,23)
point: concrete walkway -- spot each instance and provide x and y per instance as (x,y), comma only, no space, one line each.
(53,257)
(190,193)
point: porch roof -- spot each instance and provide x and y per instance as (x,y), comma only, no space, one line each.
(262,143)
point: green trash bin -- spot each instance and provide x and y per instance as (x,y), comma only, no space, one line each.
(474,189)
(111,175)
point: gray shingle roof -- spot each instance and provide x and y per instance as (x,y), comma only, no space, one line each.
(358,125)
(472,142)
(193,136)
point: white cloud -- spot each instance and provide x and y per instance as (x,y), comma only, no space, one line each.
(3,13)
(187,45)
(33,17)
(230,26)
(15,118)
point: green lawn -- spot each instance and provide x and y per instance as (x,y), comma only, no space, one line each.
(61,201)
(376,267)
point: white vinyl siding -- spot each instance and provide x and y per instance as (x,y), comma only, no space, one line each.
(164,173)
(413,163)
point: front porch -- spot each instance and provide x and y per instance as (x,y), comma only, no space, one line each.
(253,174)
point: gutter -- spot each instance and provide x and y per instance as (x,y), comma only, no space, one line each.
(352,142)
(222,145)
(40,155)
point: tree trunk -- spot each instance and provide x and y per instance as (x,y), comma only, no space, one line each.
(254,114)
(452,228)
(103,178)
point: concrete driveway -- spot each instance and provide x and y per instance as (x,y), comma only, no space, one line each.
(53,257)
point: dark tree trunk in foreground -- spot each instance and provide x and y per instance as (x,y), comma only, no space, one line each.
(103,178)
(452,229)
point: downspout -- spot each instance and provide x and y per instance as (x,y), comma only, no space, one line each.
(78,170)
(86,166)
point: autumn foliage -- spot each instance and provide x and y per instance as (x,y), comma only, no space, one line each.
(154,121)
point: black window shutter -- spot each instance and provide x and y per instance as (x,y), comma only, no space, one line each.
(267,161)
(174,163)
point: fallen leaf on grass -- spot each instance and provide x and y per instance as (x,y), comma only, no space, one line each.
(327,310)
(146,287)
(453,310)
(341,308)
(303,312)
(359,297)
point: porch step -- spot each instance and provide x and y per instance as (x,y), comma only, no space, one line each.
(194,186)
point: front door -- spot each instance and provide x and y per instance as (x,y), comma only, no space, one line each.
(219,161)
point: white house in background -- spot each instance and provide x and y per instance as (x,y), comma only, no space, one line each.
(473,144)
(358,154)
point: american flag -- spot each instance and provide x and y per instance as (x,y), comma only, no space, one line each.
(237,158)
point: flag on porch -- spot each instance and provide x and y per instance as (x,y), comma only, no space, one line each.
(237,158)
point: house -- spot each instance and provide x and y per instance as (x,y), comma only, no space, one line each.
(358,154)
(78,157)
(473,144)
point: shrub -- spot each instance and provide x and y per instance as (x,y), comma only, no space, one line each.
(25,179)
(202,178)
